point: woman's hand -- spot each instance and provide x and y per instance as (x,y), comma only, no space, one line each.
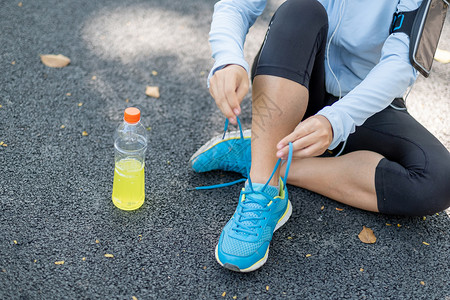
(228,87)
(310,138)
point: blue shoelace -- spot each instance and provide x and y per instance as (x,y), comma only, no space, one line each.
(288,164)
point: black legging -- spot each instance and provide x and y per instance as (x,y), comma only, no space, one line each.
(413,178)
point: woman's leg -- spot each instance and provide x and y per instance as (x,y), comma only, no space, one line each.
(392,165)
(288,70)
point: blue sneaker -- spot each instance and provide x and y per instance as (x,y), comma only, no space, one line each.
(230,152)
(244,243)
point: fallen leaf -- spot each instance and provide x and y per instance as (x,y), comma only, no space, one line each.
(62,126)
(442,56)
(234,297)
(149,128)
(224,294)
(13,62)
(109,255)
(134,298)
(59,262)
(154,73)
(35,260)
(20,4)
(422,282)
(83,259)
(366,236)
(127,100)
(424,218)
(80,104)
(308,255)
(267,287)
(84,133)
(425,243)
(94,77)
(387,224)
(202,73)
(152,91)
(398,225)
(15,242)
(5,145)
(55,61)
(361,270)
(97,241)
(339,209)
(1,143)
(69,94)
(204,268)
(322,208)
(289,237)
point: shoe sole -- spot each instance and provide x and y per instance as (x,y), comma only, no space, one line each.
(232,135)
(263,260)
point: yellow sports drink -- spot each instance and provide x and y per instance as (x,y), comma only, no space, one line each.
(130,144)
(129,184)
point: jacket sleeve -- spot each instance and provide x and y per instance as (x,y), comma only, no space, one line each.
(230,24)
(389,79)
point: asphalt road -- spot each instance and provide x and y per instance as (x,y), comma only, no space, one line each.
(55,182)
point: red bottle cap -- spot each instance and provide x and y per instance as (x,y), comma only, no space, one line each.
(132,115)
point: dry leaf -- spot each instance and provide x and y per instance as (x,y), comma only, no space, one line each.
(83,259)
(425,243)
(15,242)
(424,218)
(322,208)
(69,94)
(289,237)
(134,298)
(59,262)
(0,106)
(109,255)
(387,224)
(339,209)
(308,255)
(398,225)
(442,56)
(361,270)
(13,62)
(127,100)
(5,145)
(234,297)
(35,260)
(422,282)
(224,294)
(1,143)
(94,77)
(267,287)
(152,91)
(80,104)
(20,4)
(366,236)
(55,61)
(84,133)
(97,241)
(154,73)
(62,126)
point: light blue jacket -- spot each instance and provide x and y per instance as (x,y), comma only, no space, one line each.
(371,66)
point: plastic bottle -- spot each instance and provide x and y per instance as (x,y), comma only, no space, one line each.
(130,144)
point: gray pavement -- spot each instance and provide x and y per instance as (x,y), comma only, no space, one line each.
(55,183)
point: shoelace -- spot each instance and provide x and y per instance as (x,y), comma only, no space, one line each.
(288,164)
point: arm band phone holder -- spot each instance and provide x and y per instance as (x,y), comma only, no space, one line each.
(424,27)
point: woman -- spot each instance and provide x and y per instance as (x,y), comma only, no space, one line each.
(329,78)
